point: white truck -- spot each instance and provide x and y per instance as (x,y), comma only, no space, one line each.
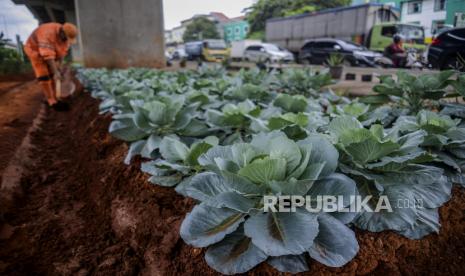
(238,48)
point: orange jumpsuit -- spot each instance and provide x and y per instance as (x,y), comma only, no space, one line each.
(43,44)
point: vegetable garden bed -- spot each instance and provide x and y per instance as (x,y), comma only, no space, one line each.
(228,141)
(90,214)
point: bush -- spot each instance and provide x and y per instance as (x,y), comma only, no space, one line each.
(10,60)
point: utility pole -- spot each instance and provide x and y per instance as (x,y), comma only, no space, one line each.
(19,47)
(5,26)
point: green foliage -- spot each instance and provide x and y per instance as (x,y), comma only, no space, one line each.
(200,28)
(459,84)
(231,210)
(335,59)
(10,59)
(258,35)
(302,81)
(227,139)
(262,10)
(413,92)
(445,138)
(396,167)
(177,160)
(302,10)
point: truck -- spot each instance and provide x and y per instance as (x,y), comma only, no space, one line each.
(238,48)
(371,25)
(212,50)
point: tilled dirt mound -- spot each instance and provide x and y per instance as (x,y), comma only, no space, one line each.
(85,213)
(23,77)
(19,104)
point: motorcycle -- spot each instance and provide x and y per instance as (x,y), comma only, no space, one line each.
(413,60)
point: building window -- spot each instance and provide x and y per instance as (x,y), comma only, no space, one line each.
(238,30)
(439,5)
(414,7)
(229,31)
(246,29)
(436,26)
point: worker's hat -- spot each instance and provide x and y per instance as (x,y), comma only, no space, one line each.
(71,32)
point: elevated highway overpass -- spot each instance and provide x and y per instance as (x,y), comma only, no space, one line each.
(113,33)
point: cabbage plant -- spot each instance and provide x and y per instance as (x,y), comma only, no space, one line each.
(411,91)
(395,167)
(249,91)
(445,139)
(305,82)
(167,118)
(253,76)
(230,219)
(234,120)
(289,103)
(150,121)
(177,160)
(367,114)
(456,110)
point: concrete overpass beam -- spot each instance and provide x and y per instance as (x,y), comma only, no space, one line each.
(121,33)
(76,50)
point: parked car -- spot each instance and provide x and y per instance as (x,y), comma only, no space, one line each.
(317,51)
(168,58)
(267,53)
(447,51)
(238,48)
(179,53)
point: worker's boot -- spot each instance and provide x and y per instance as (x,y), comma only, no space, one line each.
(49,92)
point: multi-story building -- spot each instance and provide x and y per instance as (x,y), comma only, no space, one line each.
(236,29)
(176,34)
(431,14)
(168,37)
(220,20)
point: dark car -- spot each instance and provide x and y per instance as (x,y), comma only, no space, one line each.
(194,50)
(447,51)
(317,51)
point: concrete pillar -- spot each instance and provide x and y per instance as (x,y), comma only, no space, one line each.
(76,49)
(121,33)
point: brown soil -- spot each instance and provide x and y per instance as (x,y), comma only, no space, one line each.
(85,213)
(27,76)
(19,104)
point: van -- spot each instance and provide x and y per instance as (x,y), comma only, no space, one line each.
(212,50)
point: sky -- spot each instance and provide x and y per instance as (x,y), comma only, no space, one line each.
(16,19)
(177,10)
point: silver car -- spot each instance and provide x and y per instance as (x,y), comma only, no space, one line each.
(268,53)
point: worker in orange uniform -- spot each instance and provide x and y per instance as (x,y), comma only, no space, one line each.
(46,48)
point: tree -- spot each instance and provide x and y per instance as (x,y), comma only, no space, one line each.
(10,60)
(200,28)
(3,40)
(262,10)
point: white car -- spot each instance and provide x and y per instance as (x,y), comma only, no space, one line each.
(268,53)
(179,53)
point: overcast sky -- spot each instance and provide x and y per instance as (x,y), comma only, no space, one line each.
(16,19)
